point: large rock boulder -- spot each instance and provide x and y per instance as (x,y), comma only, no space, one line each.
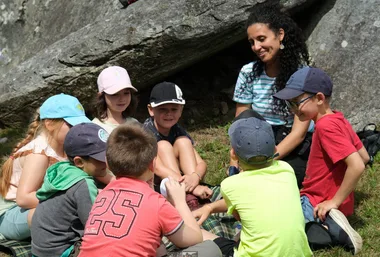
(346,43)
(152,39)
(27,27)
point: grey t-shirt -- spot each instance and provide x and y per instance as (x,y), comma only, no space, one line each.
(59,221)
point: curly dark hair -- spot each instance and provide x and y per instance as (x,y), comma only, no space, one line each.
(100,110)
(292,57)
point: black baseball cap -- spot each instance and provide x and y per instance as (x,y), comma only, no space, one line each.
(166,93)
(86,139)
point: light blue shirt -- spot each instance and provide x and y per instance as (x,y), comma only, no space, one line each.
(259,93)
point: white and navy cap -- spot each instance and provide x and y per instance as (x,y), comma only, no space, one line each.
(166,93)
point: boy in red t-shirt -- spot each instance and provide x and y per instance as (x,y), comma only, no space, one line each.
(337,156)
(128,217)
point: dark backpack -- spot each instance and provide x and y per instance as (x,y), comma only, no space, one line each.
(371,140)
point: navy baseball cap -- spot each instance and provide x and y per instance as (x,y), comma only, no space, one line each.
(306,80)
(252,140)
(86,139)
(166,93)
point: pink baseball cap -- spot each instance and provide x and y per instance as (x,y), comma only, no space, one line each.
(113,79)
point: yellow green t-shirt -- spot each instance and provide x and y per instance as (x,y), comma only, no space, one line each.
(268,203)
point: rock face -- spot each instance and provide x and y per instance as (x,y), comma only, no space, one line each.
(152,39)
(28,27)
(346,43)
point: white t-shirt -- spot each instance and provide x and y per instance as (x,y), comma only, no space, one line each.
(109,127)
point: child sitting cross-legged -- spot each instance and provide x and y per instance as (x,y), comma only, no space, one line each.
(177,156)
(128,217)
(264,196)
(68,192)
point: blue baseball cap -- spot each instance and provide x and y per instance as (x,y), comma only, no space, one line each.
(86,139)
(306,80)
(65,107)
(252,140)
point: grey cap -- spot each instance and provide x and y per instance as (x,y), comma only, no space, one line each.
(252,140)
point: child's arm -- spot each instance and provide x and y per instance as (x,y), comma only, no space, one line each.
(85,197)
(202,213)
(32,177)
(294,138)
(189,233)
(355,168)
(364,154)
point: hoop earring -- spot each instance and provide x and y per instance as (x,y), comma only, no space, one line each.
(282,46)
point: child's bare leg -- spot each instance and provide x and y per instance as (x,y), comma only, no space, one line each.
(183,149)
(166,153)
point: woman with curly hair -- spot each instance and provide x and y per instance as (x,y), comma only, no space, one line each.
(281,50)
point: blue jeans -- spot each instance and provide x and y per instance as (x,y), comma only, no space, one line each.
(14,224)
(307,209)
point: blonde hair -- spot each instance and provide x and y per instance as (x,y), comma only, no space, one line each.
(36,127)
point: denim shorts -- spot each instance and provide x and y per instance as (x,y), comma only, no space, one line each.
(14,223)
(307,209)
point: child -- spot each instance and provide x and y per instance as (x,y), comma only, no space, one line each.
(115,101)
(264,196)
(69,191)
(23,173)
(337,157)
(128,217)
(176,154)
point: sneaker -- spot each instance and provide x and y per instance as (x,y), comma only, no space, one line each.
(342,232)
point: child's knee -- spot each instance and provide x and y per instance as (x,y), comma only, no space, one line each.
(183,141)
(164,146)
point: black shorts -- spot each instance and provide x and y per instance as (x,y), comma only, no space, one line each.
(226,246)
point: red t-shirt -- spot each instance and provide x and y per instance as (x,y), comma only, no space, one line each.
(333,141)
(128,219)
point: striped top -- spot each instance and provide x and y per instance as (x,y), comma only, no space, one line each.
(259,93)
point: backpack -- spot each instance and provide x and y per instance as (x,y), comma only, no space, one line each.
(370,138)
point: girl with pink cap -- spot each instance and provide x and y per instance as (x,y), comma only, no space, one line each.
(115,102)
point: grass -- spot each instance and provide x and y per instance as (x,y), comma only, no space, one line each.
(213,145)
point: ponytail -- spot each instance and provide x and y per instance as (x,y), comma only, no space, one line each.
(7,168)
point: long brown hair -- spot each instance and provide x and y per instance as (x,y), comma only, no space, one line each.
(100,111)
(36,127)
